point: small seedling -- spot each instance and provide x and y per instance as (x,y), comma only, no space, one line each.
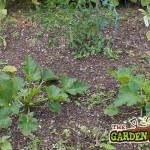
(84,129)
(66,133)
(15,34)
(39,33)
(130,53)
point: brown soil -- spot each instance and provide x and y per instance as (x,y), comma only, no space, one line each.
(131,36)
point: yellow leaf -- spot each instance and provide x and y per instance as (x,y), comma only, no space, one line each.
(9,69)
(36,2)
(148,35)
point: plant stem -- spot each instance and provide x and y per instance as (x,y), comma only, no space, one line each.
(141,114)
(129,112)
(39,101)
(28,114)
(41,84)
(20,103)
(40,106)
(97,16)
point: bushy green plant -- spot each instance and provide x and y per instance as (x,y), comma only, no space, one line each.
(3,11)
(79,26)
(18,96)
(134,90)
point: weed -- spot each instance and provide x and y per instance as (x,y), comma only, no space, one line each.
(145,57)
(79,26)
(35,143)
(39,33)
(84,129)
(15,34)
(100,97)
(32,42)
(144,146)
(101,139)
(66,133)
(130,53)
(10,20)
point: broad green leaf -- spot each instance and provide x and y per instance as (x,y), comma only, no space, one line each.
(27,123)
(145,2)
(3,13)
(139,79)
(3,138)
(54,106)
(5,120)
(4,143)
(14,108)
(146,87)
(128,94)
(55,93)
(48,75)
(73,86)
(31,70)
(6,91)
(2,4)
(107,146)
(123,74)
(9,69)
(4,75)
(18,83)
(94,1)
(148,35)
(134,1)
(111,110)
(147,109)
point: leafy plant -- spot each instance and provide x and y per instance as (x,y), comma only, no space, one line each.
(18,96)
(15,34)
(4,143)
(78,25)
(134,90)
(3,11)
(34,144)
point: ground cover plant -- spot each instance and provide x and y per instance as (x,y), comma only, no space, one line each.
(43,109)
